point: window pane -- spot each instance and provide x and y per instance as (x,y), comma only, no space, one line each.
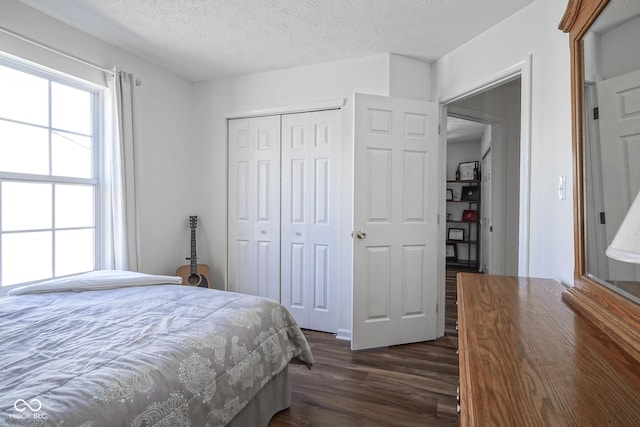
(74,206)
(71,155)
(26,206)
(23,148)
(70,109)
(26,257)
(47,227)
(24,97)
(74,251)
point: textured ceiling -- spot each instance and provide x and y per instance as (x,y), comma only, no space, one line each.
(205,39)
(461,130)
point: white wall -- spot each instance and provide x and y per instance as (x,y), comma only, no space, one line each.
(609,54)
(460,152)
(163,123)
(531,31)
(217,100)
(409,78)
(618,55)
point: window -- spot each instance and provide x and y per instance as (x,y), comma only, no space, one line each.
(48,175)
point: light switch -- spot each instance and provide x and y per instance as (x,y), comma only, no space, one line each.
(562,187)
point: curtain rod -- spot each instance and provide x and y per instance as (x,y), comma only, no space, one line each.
(57,51)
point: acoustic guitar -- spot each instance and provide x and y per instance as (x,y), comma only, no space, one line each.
(194,274)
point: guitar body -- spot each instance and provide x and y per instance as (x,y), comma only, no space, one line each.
(200,278)
(194,274)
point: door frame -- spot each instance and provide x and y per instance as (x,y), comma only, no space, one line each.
(594,202)
(523,70)
(486,227)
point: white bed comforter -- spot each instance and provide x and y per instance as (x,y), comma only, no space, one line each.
(162,355)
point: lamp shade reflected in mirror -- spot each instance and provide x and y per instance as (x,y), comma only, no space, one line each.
(626,244)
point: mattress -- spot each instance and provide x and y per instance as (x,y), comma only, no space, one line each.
(152,355)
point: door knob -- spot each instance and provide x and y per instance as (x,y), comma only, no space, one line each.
(361,235)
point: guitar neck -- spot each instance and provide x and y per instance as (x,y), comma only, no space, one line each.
(194,259)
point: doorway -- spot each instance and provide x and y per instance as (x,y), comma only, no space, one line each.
(486,128)
(464,204)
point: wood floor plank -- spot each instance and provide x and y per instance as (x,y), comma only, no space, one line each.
(404,385)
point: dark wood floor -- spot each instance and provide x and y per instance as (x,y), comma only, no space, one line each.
(405,385)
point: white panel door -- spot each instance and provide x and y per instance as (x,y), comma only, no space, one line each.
(619,111)
(395,219)
(310,218)
(254,206)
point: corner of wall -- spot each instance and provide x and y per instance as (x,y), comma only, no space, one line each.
(409,78)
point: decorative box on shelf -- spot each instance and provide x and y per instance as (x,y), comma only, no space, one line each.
(470,215)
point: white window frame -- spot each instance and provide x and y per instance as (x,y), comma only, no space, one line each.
(97,98)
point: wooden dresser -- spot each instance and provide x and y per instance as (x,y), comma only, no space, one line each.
(527,359)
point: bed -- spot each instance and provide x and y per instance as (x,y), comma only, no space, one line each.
(125,349)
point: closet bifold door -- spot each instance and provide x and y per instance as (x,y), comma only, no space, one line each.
(310,218)
(254,206)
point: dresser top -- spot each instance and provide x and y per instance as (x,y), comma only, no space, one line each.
(528,359)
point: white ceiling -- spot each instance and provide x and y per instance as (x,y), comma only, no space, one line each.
(462,130)
(206,39)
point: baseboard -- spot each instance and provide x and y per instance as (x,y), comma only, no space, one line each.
(344,334)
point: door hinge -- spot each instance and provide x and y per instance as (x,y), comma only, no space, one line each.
(438,128)
(596,114)
(602,218)
(436,308)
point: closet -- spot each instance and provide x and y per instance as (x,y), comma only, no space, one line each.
(283,212)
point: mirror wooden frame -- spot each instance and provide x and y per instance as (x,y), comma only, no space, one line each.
(614,314)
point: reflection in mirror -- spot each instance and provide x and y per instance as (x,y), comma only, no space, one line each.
(612,139)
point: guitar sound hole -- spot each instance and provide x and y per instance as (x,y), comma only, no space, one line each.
(193,279)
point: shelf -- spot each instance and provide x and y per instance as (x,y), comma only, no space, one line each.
(463,263)
(469,248)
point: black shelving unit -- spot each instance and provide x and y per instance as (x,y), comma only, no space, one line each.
(466,251)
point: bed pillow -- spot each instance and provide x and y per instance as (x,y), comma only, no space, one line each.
(95,280)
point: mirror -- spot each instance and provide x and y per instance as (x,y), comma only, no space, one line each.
(604,40)
(611,139)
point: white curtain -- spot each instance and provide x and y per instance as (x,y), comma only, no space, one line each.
(120,249)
